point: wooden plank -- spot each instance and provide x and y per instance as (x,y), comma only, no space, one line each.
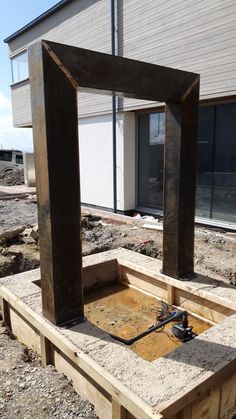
(228,395)
(186,413)
(207,309)
(118,411)
(45,346)
(24,331)
(144,282)
(208,406)
(170,294)
(5,310)
(197,393)
(84,386)
(189,287)
(106,380)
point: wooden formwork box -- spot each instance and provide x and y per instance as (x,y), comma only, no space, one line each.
(211,398)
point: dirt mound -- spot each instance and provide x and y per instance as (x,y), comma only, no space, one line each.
(148,248)
(12,177)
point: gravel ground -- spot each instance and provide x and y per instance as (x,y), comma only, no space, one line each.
(12,177)
(17,212)
(30,391)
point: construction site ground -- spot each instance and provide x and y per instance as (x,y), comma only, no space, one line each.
(215,251)
(27,389)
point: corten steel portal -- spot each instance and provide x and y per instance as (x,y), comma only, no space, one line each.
(56,73)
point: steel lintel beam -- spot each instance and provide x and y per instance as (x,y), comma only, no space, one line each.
(56,73)
(105,74)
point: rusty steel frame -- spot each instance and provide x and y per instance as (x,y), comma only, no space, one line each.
(56,73)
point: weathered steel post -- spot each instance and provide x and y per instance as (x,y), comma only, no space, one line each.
(56,72)
(179,184)
(55,132)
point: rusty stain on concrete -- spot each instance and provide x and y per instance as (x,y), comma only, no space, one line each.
(126,312)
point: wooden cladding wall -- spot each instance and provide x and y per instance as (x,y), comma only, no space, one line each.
(184,34)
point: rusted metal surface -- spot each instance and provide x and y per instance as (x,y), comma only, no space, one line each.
(103,73)
(179,185)
(55,131)
(56,73)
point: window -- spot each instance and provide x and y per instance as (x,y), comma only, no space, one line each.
(150,159)
(205,150)
(224,181)
(216,162)
(5,155)
(19,65)
(19,159)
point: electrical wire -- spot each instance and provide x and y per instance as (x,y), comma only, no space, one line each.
(177,341)
(200,288)
(165,309)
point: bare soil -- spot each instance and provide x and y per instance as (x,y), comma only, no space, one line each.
(215,255)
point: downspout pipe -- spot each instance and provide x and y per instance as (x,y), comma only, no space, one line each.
(113,52)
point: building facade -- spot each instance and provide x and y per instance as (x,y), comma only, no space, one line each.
(184,34)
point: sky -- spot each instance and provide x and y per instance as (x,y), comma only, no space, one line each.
(14,14)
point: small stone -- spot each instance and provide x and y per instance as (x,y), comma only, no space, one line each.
(28,240)
(34,234)
(25,232)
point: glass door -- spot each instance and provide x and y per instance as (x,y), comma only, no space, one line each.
(150,160)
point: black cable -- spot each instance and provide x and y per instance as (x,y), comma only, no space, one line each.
(200,288)
(164,331)
(175,316)
(172,340)
(161,330)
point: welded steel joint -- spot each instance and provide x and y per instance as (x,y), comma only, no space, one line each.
(57,72)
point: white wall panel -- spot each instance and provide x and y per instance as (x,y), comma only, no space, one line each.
(95,142)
